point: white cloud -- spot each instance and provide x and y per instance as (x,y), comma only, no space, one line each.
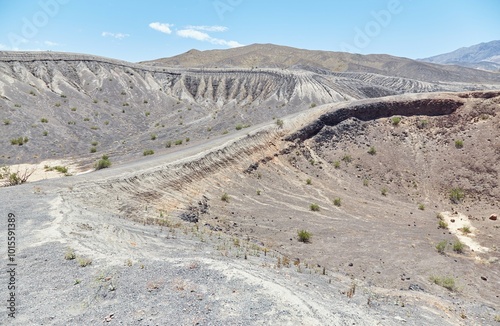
(204,37)
(161,27)
(49,43)
(208,28)
(119,36)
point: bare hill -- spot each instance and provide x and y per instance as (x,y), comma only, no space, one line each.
(480,56)
(269,55)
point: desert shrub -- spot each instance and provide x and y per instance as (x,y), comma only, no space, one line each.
(366,182)
(396,120)
(279,123)
(445,281)
(336,164)
(106,123)
(372,150)
(304,236)
(225,132)
(153,137)
(421,207)
(458,247)
(459,143)
(93,149)
(6,122)
(442,224)
(383,191)
(84,262)
(441,246)
(125,104)
(148,152)
(73,109)
(238,127)
(224,197)
(465,229)
(147,114)
(168,144)
(69,254)
(258,192)
(308,182)
(45,133)
(337,202)
(313,105)
(61,169)
(188,139)
(19,141)
(456,195)
(178,142)
(347,158)
(314,207)
(421,124)
(94,143)
(103,163)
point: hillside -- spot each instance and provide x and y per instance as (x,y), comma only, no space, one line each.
(274,56)
(484,56)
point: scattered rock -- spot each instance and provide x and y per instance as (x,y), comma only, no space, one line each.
(484,278)
(351,264)
(415,287)
(493,217)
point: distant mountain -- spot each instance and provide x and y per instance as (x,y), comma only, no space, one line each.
(484,56)
(274,56)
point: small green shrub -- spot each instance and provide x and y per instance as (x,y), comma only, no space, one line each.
(147,114)
(84,262)
(337,202)
(313,105)
(258,192)
(45,133)
(456,195)
(336,164)
(6,122)
(238,127)
(421,207)
(279,123)
(396,120)
(69,254)
(445,281)
(188,139)
(441,246)
(103,163)
(93,149)
(178,142)
(304,236)
(94,143)
(372,150)
(106,123)
(442,224)
(466,229)
(73,109)
(314,207)
(308,182)
(19,141)
(153,137)
(421,124)
(459,143)
(383,191)
(347,158)
(225,197)
(148,152)
(366,182)
(168,144)
(458,247)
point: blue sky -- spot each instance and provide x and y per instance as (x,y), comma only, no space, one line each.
(144,30)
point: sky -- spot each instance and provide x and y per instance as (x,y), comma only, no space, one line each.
(151,29)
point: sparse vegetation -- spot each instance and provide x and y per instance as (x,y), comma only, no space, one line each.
(366,182)
(395,121)
(279,123)
(241,126)
(225,197)
(372,150)
(19,141)
(73,109)
(383,191)
(45,133)
(337,202)
(308,182)
(148,152)
(94,143)
(466,229)
(178,142)
(314,207)
(347,158)
(336,164)
(458,247)
(459,143)
(14,178)
(445,281)
(421,124)
(6,122)
(258,192)
(153,137)
(442,224)
(456,195)
(304,236)
(44,120)
(441,246)
(69,254)
(103,163)
(84,262)
(168,144)
(147,113)
(93,149)
(313,105)
(421,207)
